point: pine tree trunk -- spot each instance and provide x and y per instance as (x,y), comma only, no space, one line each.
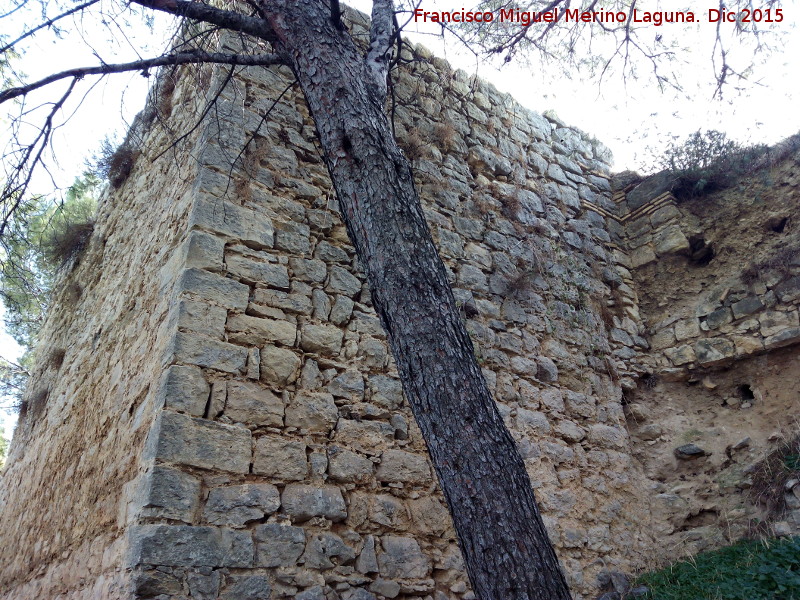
(504,543)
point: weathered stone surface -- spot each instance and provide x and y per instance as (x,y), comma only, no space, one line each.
(200,443)
(187,546)
(207,352)
(714,351)
(279,366)
(607,436)
(349,385)
(235,505)
(245,329)
(670,240)
(641,256)
(200,317)
(773,322)
(680,356)
(168,493)
(215,289)
(651,188)
(230,220)
(747,306)
(689,451)
(184,389)
(402,558)
(256,271)
(252,403)
(341,281)
(326,550)
(369,437)
(399,466)
(787,337)
(302,502)
(280,458)
(719,317)
(347,466)
(789,290)
(312,411)
(247,587)
(278,545)
(324,339)
(296,303)
(386,391)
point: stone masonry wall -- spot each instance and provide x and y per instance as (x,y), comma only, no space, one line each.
(91,398)
(248,434)
(718,287)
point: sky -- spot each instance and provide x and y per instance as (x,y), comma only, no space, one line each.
(634,120)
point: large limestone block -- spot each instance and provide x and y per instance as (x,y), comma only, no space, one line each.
(185,440)
(232,221)
(347,466)
(323,339)
(168,493)
(280,458)
(215,289)
(255,271)
(184,389)
(402,558)
(244,329)
(190,546)
(279,366)
(208,353)
(398,466)
(713,351)
(278,545)
(251,403)
(303,502)
(235,505)
(313,412)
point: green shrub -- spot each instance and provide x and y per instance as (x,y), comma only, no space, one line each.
(748,570)
(708,161)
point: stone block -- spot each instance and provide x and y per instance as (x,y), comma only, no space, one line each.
(402,558)
(680,356)
(279,366)
(232,221)
(787,337)
(607,436)
(687,328)
(746,306)
(254,271)
(774,321)
(190,546)
(747,344)
(205,251)
(252,403)
(207,352)
(303,502)
(347,466)
(312,411)
(341,310)
(236,505)
(323,339)
(670,240)
(310,270)
(713,351)
(398,466)
(280,458)
(199,317)
(719,317)
(641,256)
(278,545)
(386,391)
(327,550)
(297,303)
(184,389)
(244,329)
(215,289)
(789,290)
(246,587)
(341,281)
(293,237)
(369,437)
(167,493)
(348,385)
(185,440)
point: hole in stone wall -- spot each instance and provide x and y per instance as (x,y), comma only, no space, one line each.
(777,224)
(700,252)
(745,392)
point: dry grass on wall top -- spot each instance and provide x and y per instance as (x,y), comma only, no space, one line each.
(773,474)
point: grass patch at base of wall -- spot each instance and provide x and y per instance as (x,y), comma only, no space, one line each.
(747,570)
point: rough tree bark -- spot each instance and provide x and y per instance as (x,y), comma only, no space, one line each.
(504,543)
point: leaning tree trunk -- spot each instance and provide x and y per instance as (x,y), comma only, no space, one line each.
(503,540)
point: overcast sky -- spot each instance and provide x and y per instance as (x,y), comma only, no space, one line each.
(633,120)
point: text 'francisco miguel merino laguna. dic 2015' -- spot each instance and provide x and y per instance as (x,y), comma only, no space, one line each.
(659,17)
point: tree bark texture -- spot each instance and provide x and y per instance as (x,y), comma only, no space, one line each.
(503,540)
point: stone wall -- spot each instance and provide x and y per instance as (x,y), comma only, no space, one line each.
(280,457)
(718,290)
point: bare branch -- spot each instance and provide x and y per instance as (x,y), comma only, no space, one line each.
(47,23)
(175,58)
(197,11)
